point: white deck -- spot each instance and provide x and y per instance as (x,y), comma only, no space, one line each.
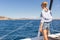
(54,35)
(41,37)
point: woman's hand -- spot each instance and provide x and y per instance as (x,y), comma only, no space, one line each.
(41,25)
(41,30)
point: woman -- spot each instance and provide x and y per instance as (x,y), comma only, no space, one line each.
(46,18)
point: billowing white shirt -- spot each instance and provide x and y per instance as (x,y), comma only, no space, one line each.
(46,16)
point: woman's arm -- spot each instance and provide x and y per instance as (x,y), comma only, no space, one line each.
(41,25)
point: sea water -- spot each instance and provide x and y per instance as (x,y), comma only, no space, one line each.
(20,29)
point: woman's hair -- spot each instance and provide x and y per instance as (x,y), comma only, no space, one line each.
(44,4)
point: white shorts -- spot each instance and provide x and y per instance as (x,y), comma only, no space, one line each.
(46,25)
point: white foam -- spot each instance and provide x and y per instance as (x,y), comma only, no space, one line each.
(58,34)
(26,39)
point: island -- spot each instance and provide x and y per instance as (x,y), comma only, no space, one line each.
(4,18)
(8,18)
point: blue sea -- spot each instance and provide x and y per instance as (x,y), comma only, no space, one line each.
(20,29)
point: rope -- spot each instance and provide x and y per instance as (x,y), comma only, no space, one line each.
(55,30)
(15,30)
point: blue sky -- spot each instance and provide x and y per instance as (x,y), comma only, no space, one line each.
(26,8)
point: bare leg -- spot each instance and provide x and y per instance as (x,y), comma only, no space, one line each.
(45,34)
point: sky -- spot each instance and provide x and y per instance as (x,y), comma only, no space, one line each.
(26,8)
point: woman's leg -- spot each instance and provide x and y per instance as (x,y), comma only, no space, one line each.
(45,34)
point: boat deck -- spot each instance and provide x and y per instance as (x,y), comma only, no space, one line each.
(41,38)
(51,37)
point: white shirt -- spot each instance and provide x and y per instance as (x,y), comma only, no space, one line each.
(46,16)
